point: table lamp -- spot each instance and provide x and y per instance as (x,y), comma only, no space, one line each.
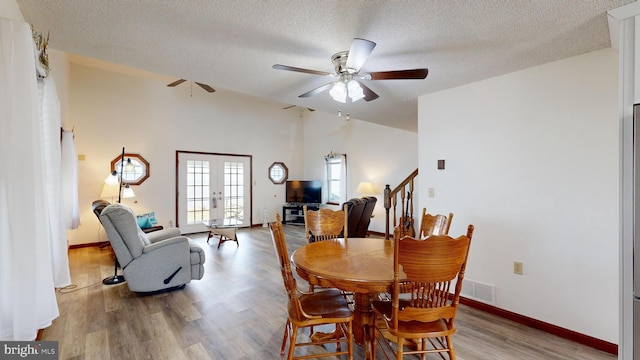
(365,188)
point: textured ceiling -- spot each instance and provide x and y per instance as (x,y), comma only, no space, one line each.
(232,44)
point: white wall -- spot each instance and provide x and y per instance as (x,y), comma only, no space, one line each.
(532,161)
(377,154)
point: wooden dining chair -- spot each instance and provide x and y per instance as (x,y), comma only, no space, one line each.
(434,224)
(325,224)
(307,309)
(420,316)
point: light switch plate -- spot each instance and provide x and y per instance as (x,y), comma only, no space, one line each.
(517,268)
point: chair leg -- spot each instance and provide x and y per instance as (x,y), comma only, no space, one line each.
(373,343)
(452,353)
(423,347)
(284,337)
(350,340)
(292,342)
(399,353)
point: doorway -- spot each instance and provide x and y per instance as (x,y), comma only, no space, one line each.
(212,186)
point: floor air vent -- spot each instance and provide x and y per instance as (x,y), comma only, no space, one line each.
(479,291)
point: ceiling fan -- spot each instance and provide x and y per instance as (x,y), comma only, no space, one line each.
(347,65)
(206,87)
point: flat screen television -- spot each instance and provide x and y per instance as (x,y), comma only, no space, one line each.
(304,191)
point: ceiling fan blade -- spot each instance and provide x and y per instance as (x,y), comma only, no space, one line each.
(206,87)
(317,90)
(368,93)
(307,71)
(176,83)
(359,52)
(399,74)
(291,106)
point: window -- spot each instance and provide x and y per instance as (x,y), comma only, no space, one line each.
(138,173)
(336,175)
(197,191)
(233,190)
(278,173)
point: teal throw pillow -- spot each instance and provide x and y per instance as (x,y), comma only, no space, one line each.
(144,222)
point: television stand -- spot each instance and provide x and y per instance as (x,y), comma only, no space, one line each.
(294,212)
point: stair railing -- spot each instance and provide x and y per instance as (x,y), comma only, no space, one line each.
(405,192)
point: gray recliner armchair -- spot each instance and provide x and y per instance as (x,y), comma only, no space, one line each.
(151,262)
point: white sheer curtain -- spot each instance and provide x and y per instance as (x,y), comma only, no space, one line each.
(343,178)
(53,168)
(71,213)
(27,295)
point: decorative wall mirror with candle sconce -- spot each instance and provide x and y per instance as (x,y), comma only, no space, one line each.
(278,173)
(138,168)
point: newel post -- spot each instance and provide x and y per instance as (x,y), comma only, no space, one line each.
(387,206)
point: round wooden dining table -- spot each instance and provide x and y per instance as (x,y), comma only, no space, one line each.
(363,266)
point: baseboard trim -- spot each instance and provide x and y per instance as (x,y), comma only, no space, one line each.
(377,233)
(98,244)
(595,343)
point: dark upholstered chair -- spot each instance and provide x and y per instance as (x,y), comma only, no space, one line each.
(365,219)
(360,211)
(97,207)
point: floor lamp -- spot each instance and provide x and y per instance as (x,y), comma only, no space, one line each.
(118,279)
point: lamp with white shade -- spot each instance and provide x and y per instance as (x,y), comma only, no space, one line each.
(365,188)
(110,192)
(111,187)
(127,192)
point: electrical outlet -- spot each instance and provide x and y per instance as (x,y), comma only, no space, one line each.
(517,268)
(432,192)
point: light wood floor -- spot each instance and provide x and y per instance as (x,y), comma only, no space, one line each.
(237,311)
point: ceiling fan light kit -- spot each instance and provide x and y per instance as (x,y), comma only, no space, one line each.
(339,92)
(341,89)
(347,66)
(354,90)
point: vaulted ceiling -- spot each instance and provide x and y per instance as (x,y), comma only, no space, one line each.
(233,44)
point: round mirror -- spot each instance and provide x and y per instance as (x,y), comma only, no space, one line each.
(278,173)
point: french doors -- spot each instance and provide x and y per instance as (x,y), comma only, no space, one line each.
(211,186)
